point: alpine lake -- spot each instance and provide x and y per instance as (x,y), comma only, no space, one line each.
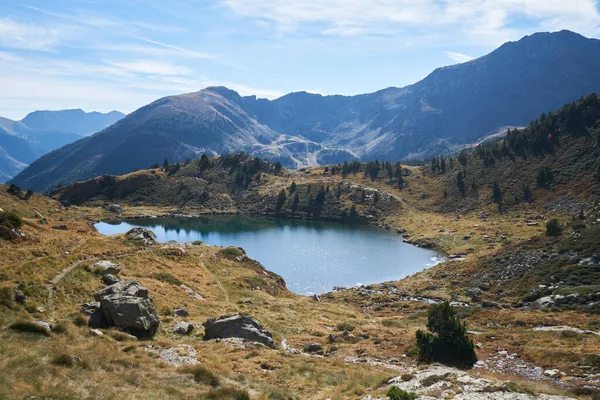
(312,256)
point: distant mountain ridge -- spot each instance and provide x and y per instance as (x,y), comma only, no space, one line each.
(22,142)
(451,108)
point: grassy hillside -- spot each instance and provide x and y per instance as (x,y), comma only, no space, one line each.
(503,255)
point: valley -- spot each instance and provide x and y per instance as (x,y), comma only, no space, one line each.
(526,288)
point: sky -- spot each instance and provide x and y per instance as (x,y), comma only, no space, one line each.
(102,55)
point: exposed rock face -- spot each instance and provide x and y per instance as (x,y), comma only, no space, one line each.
(114,208)
(181,355)
(110,279)
(183,328)
(125,305)
(457,384)
(145,236)
(123,288)
(237,326)
(106,267)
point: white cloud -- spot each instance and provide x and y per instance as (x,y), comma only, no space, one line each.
(488,21)
(458,57)
(152,67)
(27,36)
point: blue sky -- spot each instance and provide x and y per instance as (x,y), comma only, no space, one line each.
(122,54)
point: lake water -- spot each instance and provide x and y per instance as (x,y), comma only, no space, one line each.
(312,257)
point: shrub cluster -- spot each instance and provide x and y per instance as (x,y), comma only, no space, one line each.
(447,342)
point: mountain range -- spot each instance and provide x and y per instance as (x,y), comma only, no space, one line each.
(22,142)
(451,108)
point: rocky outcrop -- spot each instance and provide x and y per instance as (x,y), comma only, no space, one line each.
(109,279)
(183,328)
(237,326)
(106,267)
(142,235)
(124,305)
(459,385)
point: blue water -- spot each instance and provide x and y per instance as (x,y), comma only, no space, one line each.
(312,257)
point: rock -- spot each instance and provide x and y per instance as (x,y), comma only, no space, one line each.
(40,310)
(183,328)
(134,315)
(316,298)
(106,267)
(181,312)
(125,305)
(181,355)
(552,373)
(110,279)
(96,332)
(114,208)
(474,292)
(90,308)
(123,288)
(43,324)
(547,301)
(60,227)
(19,296)
(145,236)
(180,252)
(331,338)
(237,326)
(313,348)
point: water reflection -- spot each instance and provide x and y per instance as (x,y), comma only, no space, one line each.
(313,257)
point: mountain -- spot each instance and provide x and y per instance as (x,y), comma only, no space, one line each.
(22,142)
(451,108)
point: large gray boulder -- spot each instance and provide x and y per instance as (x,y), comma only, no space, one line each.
(126,305)
(237,326)
(106,267)
(134,315)
(123,288)
(183,328)
(142,235)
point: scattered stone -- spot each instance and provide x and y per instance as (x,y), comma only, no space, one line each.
(180,355)
(40,310)
(96,332)
(316,298)
(43,324)
(110,279)
(189,291)
(552,373)
(247,301)
(237,326)
(106,267)
(142,235)
(180,252)
(313,348)
(183,328)
(114,208)
(60,227)
(19,296)
(181,312)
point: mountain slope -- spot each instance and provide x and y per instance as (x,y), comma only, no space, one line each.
(22,142)
(451,108)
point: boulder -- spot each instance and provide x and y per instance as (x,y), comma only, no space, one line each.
(106,267)
(181,312)
(123,288)
(142,235)
(183,328)
(237,326)
(313,348)
(125,305)
(90,308)
(19,296)
(110,279)
(135,315)
(114,208)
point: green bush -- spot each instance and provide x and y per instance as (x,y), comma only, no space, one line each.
(168,278)
(10,220)
(553,228)
(447,342)
(231,252)
(398,394)
(204,376)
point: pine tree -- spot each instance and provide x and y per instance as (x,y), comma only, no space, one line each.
(166,165)
(497,194)
(460,183)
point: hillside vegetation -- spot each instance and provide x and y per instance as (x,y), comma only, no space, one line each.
(522,272)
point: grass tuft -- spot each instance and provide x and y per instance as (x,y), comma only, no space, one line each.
(29,327)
